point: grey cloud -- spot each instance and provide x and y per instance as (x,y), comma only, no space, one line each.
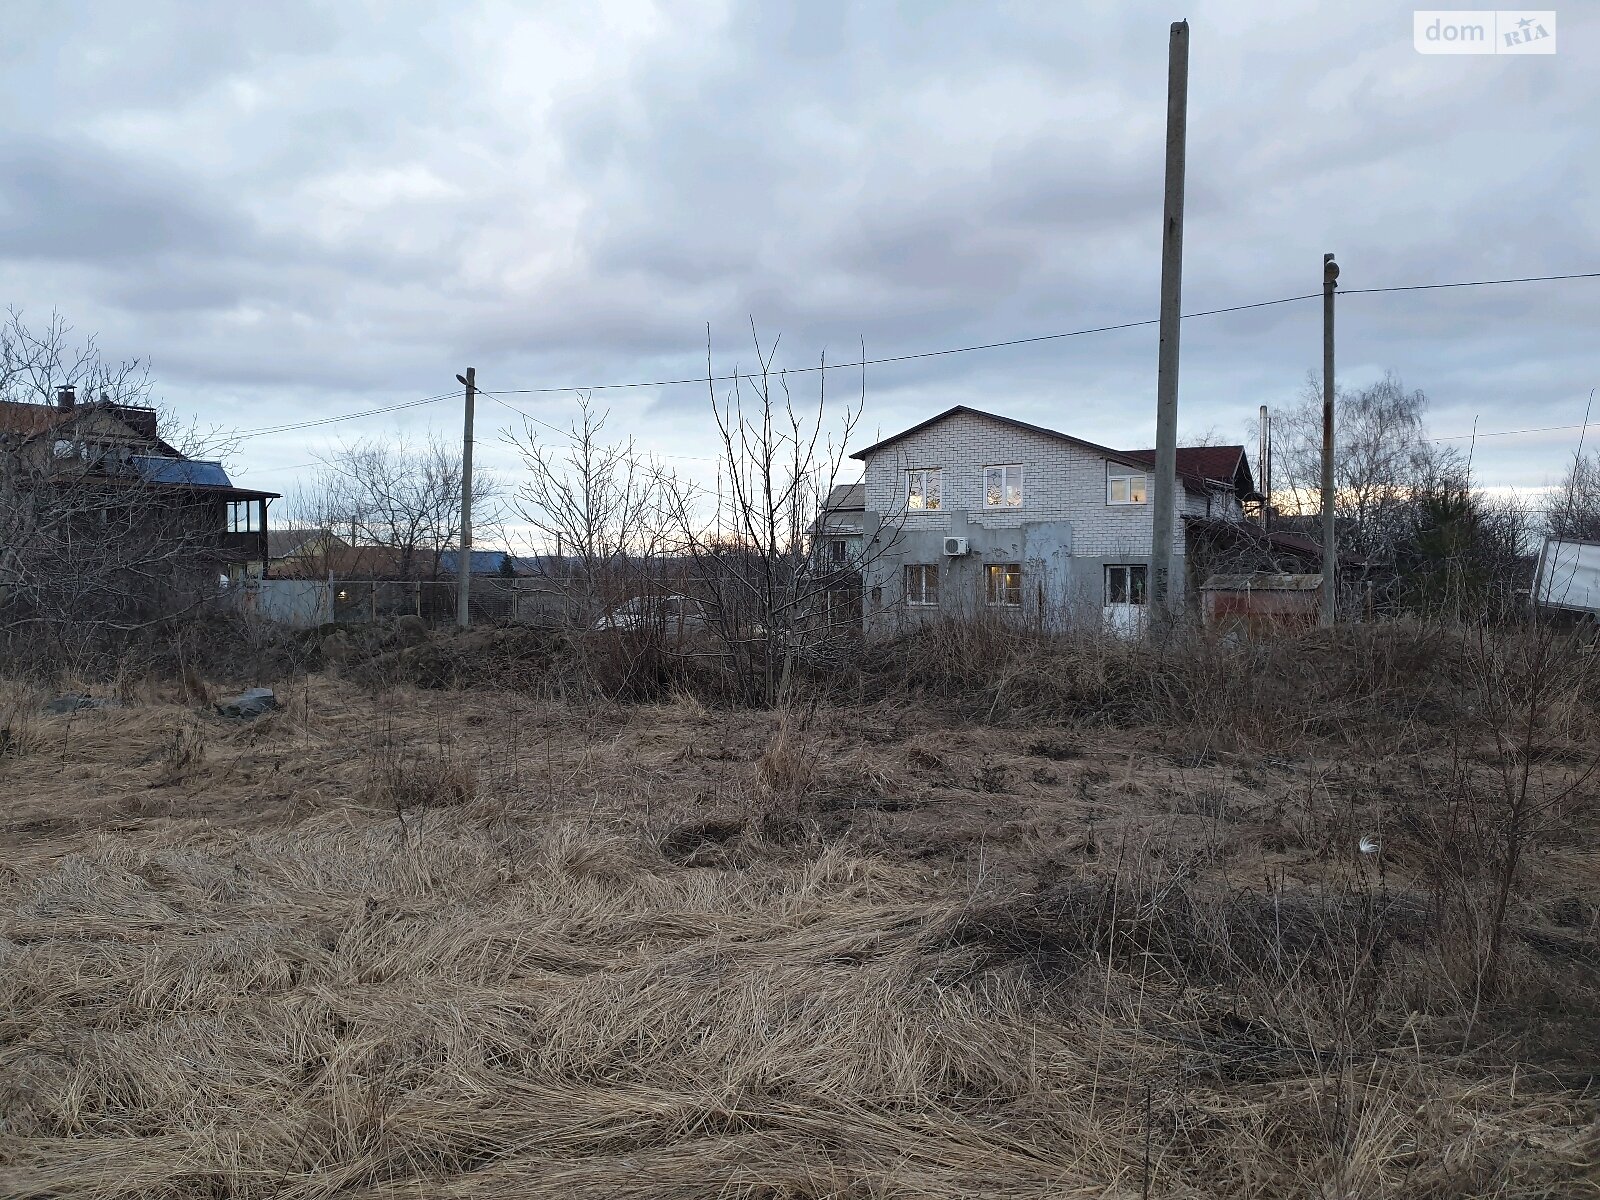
(913,175)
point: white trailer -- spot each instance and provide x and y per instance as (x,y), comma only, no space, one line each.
(1568,577)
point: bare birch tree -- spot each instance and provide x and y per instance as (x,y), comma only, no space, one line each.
(1382,457)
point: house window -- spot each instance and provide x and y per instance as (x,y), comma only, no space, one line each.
(1126,584)
(1003,584)
(922,488)
(1002,486)
(838,550)
(922,584)
(242,517)
(1124,486)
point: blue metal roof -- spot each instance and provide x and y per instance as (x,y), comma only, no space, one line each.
(490,562)
(186,472)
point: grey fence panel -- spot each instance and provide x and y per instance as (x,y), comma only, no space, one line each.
(304,603)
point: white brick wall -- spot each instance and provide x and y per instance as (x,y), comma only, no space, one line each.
(1060,481)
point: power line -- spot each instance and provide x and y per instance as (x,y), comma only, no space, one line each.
(924,354)
(1461,437)
(371,412)
(1426,287)
(567,433)
(1050,337)
(898,358)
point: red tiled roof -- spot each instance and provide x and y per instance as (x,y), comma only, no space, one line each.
(1214,463)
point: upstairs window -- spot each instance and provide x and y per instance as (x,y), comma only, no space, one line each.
(1002,486)
(242,517)
(1003,585)
(923,490)
(839,551)
(922,584)
(1124,486)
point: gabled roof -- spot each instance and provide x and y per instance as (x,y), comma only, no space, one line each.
(281,543)
(1104,451)
(844,497)
(1198,466)
(27,420)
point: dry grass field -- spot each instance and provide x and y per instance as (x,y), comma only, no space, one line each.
(424,943)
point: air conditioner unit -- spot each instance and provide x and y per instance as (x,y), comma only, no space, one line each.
(955,547)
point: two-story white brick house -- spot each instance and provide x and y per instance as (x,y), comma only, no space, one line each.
(971,512)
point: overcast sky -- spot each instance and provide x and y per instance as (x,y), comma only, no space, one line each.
(301,210)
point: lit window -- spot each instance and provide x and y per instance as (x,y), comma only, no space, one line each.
(1002,486)
(1125,584)
(922,584)
(923,488)
(1124,486)
(1003,582)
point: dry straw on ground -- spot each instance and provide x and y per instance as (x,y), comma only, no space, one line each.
(415,944)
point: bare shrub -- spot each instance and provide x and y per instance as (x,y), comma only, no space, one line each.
(401,779)
(20,734)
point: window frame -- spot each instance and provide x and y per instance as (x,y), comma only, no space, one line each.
(1116,472)
(919,597)
(1007,589)
(1129,590)
(1004,469)
(252,517)
(935,474)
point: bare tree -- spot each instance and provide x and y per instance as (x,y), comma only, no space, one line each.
(36,362)
(597,504)
(95,538)
(1575,513)
(1382,455)
(753,550)
(399,497)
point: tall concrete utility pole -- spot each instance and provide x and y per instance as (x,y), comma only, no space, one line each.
(1264,468)
(464,559)
(1164,495)
(1330,537)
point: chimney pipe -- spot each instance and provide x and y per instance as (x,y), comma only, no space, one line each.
(66,396)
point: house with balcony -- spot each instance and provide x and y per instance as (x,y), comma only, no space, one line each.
(971,512)
(94,479)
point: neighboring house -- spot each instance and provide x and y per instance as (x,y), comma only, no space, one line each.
(103,468)
(972,512)
(302,553)
(841,529)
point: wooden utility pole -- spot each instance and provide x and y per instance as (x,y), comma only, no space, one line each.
(1164,495)
(464,560)
(1330,537)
